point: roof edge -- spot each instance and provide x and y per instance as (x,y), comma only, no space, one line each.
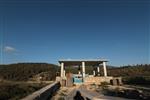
(64,60)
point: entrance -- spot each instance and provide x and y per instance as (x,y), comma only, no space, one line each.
(77,79)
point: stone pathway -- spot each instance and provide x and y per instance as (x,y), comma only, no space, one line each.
(93,95)
(63,93)
(68,93)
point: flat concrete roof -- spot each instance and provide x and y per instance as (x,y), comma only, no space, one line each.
(88,62)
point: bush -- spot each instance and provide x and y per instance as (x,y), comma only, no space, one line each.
(138,80)
(13,91)
(105,83)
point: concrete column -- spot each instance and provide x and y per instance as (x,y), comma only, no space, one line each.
(98,72)
(79,72)
(104,67)
(62,70)
(64,74)
(83,69)
(93,72)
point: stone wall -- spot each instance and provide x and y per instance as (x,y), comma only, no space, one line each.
(97,80)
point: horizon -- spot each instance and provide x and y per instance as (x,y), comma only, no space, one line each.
(107,64)
(46,31)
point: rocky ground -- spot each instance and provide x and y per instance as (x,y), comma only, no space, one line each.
(95,92)
(63,93)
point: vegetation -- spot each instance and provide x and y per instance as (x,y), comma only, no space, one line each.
(13,77)
(135,74)
(25,71)
(137,80)
(15,91)
(130,70)
(127,93)
(139,74)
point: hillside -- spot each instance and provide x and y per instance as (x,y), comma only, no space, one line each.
(135,74)
(25,71)
(130,70)
(13,90)
(131,74)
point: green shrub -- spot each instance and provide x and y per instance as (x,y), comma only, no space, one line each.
(138,80)
(105,83)
(11,91)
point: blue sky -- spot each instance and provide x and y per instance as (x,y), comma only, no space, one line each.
(48,30)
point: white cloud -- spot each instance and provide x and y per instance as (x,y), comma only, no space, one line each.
(9,49)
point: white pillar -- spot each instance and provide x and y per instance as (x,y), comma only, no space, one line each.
(79,72)
(93,72)
(104,67)
(62,70)
(98,70)
(64,74)
(83,69)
